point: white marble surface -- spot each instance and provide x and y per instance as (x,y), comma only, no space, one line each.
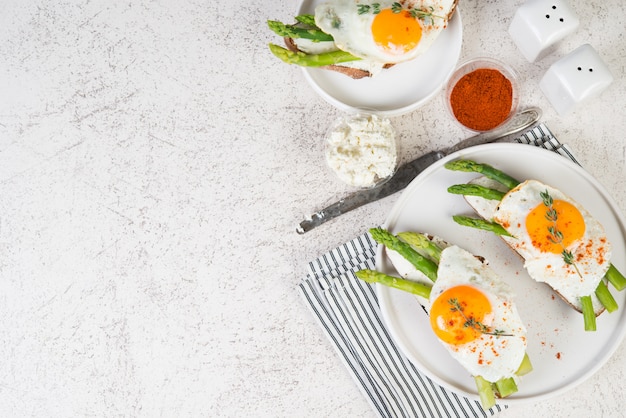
(155,159)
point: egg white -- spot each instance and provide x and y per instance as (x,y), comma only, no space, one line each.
(490,356)
(352,31)
(592,251)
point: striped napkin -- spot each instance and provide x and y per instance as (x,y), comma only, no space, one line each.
(347,310)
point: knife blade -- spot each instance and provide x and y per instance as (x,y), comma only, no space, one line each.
(407,172)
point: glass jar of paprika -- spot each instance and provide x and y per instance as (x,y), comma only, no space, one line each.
(482,94)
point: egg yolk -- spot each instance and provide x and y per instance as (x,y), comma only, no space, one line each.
(396,32)
(550,235)
(452,314)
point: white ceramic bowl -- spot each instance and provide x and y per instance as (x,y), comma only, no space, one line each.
(398,90)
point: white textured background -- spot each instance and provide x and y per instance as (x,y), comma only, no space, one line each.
(155,159)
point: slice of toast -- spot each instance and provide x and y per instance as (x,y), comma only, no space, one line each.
(485,209)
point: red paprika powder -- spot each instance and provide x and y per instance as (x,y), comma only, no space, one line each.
(482,99)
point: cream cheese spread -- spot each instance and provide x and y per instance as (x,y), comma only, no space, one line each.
(362,150)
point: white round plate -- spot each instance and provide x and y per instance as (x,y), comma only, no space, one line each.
(399,89)
(562,353)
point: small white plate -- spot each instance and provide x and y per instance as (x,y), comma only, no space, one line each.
(562,353)
(399,89)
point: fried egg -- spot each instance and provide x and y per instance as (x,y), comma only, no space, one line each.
(473,314)
(384,31)
(561,242)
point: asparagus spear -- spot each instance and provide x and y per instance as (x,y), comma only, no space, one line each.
(423,264)
(311,60)
(421,242)
(485,392)
(373,276)
(311,32)
(484,169)
(307,20)
(468,189)
(589,316)
(506,386)
(525,366)
(616,278)
(605,297)
(481,224)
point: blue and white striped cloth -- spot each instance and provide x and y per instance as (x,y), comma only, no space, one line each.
(347,310)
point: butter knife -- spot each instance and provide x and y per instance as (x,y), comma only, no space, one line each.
(407,172)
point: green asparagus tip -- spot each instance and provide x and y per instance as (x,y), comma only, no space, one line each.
(467,166)
(373,276)
(390,241)
(311,60)
(306,19)
(481,224)
(468,189)
(275,26)
(308,31)
(282,53)
(484,169)
(460,165)
(421,242)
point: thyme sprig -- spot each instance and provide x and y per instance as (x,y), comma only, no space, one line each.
(471,322)
(367,8)
(556,236)
(426,15)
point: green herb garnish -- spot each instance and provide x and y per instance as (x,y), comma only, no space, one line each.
(471,322)
(396,7)
(367,8)
(556,236)
(426,15)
